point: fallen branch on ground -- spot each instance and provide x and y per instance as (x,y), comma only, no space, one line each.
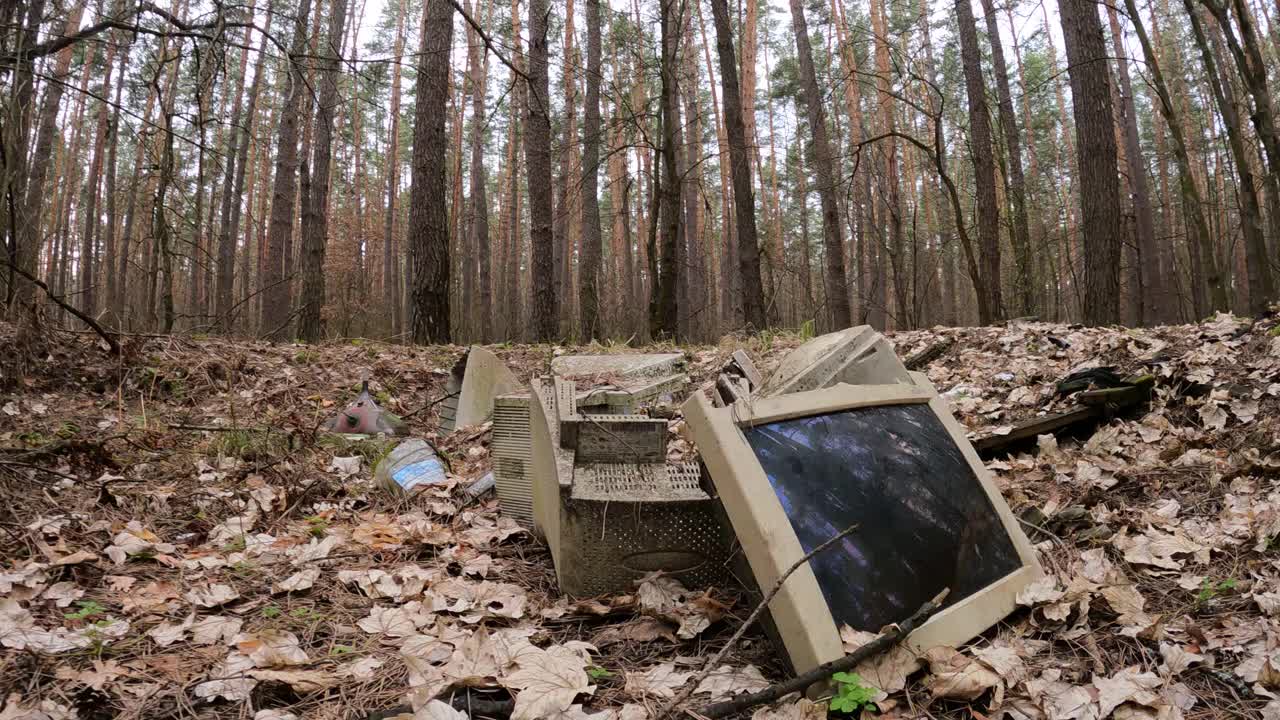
(883,642)
(714,660)
(929,354)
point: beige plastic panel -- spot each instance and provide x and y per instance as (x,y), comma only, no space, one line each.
(485,378)
(856,356)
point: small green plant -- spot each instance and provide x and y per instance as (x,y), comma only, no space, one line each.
(272,612)
(1210,590)
(598,673)
(68,430)
(317,526)
(88,609)
(1274,332)
(234,545)
(852,693)
(808,329)
(305,614)
(304,357)
(32,438)
(339,650)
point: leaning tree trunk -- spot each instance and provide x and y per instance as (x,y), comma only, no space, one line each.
(1253,70)
(233,184)
(28,237)
(1151,295)
(1017,183)
(837,291)
(748,245)
(537,145)
(984,169)
(1250,210)
(1192,207)
(1097,158)
(428,211)
(315,213)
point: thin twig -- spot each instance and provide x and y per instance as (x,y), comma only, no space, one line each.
(714,660)
(894,635)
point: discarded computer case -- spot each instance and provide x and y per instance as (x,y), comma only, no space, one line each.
(622,383)
(608,503)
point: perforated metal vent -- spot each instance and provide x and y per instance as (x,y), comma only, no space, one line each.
(637,482)
(512,457)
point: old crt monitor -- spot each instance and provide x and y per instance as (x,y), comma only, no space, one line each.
(856,356)
(795,470)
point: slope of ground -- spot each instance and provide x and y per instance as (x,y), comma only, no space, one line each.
(178,539)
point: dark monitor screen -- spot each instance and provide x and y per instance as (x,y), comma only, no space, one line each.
(924,521)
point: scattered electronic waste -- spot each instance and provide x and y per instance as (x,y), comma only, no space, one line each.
(610,506)
(1103,394)
(410,464)
(623,383)
(841,434)
(612,384)
(856,356)
(794,470)
(363,416)
(738,379)
(474,382)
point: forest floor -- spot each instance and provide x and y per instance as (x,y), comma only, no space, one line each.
(177,539)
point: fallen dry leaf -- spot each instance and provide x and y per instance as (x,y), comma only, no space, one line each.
(726,681)
(660,681)
(548,681)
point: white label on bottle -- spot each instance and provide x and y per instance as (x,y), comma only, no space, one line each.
(422,472)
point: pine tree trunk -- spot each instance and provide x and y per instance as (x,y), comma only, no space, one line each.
(984,170)
(275,282)
(1096,145)
(93,180)
(17,129)
(109,244)
(479,198)
(591,243)
(747,262)
(29,237)
(1021,235)
(234,175)
(1149,274)
(664,309)
(824,171)
(315,212)
(1253,69)
(428,230)
(537,143)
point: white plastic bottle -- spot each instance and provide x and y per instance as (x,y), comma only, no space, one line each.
(412,464)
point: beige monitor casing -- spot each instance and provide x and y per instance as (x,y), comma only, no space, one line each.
(799,611)
(471,393)
(855,356)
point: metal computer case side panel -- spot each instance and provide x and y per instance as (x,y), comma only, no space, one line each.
(544,438)
(513,457)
